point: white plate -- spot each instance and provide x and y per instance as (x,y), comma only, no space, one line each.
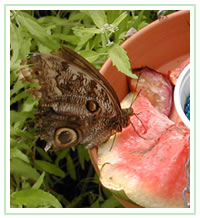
(182,91)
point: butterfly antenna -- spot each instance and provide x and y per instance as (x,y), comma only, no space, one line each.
(137,131)
(135,97)
(141,121)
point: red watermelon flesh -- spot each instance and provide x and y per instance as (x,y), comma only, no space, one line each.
(174,74)
(150,170)
(155,87)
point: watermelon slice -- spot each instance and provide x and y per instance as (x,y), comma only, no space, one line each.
(146,166)
(174,74)
(155,87)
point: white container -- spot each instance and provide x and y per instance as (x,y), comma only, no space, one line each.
(182,91)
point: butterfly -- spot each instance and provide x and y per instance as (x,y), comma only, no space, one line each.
(77,105)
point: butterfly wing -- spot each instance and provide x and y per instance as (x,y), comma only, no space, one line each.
(77,105)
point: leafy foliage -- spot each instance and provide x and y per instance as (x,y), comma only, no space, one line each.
(65,178)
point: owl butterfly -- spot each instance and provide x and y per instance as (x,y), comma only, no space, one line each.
(77,105)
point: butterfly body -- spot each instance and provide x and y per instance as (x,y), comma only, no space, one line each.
(77,105)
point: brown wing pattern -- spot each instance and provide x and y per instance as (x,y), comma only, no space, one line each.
(77,105)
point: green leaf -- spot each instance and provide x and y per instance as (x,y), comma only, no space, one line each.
(87,30)
(37,31)
(21,168)
(16,153)
(61,155)
(68,38)
(95,204)
(13,142)
(119,19)
(142,25)
(75,201)
(25,45)
(15,43)
(33,198)
(103,40)
(18,85)
(112,15)
(82,156)
(138,20)
(19,116)
(13,76)
(18,132)
(19,97)
(76,16)
(49,168)
(43,49)
(90,56)
(44,154)
(111,203)
(39,181)
(29,104)
(120,60)
(20,145)
(71,167)
(83,37)
(95,43)
(25,185)
(98,17)
(53,20)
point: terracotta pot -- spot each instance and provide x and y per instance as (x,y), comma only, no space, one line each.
(162,46)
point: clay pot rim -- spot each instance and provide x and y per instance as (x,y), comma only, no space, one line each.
(144,31)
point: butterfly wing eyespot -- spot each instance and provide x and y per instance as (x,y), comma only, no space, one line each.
(92,106)
(65,137)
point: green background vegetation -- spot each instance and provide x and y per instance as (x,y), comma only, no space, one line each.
(65,178)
